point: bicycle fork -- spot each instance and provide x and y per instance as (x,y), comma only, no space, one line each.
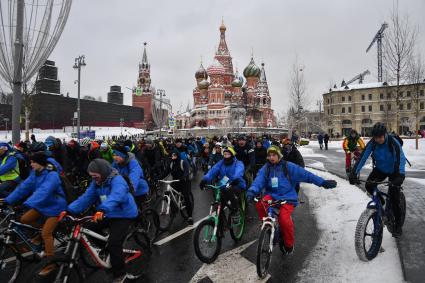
(215,215)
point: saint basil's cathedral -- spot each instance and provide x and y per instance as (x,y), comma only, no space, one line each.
(223,98)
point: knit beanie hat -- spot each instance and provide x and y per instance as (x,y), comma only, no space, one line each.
(276,150)
(39,158)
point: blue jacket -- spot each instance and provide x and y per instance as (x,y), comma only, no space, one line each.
(44,191)
(385,157)
(112,197)
(135,173)
(320,138)
(285,189)
(56,164)
(234,171)
(10,163)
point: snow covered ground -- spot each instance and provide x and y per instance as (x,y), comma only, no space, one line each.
(101,132)
(334,258)
(416,157)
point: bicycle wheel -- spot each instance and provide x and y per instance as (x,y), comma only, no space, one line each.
(147,226)
(135,259)
(237,229)
(368,235)
(183,212)
(264,252)
(402,208)
(207,245)
(165,214)
(62,274)
(10,263)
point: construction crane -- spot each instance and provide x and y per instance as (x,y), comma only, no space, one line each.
(359,77)
(378,39)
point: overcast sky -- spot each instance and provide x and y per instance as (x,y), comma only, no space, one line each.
(328,36)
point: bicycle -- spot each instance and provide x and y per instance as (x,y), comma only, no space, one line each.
(169,204)
(147,227)
(266,242)
(355,156)
(80,251)
(372,221)
(16,246)
(211,230)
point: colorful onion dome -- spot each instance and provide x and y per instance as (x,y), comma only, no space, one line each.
(201,73)
(252,70)
(216,68)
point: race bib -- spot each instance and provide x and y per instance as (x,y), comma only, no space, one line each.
(102,198)
(275,182)
(224,180)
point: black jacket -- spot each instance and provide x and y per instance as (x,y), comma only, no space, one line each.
(294,156)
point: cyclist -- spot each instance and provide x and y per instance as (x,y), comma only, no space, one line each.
(260,153)
(45,200)
(179,170)
(245,153)
(9,170)
(388,161)
(279,177)
(216,155)
(181,148)
(115,209)
(228,171)
(21,154)
(106,152)
(128,166)
(151,158)
(353,143)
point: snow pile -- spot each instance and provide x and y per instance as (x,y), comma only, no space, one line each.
(334,258)
(307,151)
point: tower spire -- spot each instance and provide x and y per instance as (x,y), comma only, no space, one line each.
(145,56)
(222,47)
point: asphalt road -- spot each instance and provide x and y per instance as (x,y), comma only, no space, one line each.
(412,243)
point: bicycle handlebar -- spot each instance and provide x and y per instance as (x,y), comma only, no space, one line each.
(271,202)
(212,187)
(78,220)
(169,181)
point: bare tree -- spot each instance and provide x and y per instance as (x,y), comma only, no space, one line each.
(416,76)
(297,90)
(399,44)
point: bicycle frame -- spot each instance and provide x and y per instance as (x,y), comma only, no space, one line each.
(16,228)
(215,212)
(170,193)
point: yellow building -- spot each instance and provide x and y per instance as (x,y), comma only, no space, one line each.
(360,106)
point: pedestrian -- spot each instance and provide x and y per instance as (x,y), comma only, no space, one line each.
(320,139)
(326,140)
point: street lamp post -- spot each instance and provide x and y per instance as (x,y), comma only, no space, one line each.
(161,93)
(79,62)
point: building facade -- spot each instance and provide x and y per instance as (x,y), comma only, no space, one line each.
(223,99)
(360,106)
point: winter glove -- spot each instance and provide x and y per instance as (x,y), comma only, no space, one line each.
(329,184)
(62,215)
(98,216)
(352,178)
(202,184)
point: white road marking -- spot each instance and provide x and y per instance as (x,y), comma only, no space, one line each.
(230,267)
(179,233)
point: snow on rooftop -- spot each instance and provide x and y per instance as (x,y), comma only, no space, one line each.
(367,85)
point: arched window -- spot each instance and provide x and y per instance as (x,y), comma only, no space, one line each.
(367,121)
(346,122)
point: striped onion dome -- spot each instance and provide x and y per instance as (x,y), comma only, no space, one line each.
(252,70)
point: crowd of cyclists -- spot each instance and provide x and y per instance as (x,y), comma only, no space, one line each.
(52,179)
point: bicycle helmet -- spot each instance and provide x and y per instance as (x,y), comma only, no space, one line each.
(86,141)
(104,146)
(379,130)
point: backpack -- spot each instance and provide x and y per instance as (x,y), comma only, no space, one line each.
(130,185)
(68,189)
(181,165)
